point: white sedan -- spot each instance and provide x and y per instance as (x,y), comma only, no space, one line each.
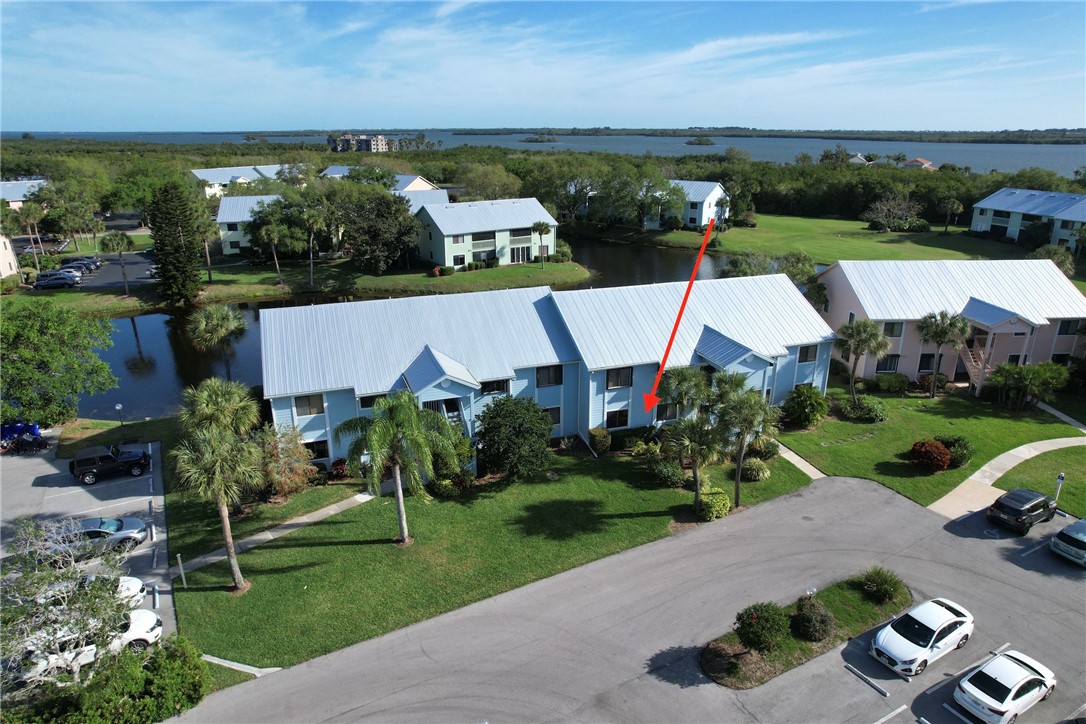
(1005,687)
(926,633)
(143,629)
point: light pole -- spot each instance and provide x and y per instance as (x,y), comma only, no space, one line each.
(120,412)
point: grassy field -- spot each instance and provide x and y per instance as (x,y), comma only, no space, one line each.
(785,478)
(1074,406)
(877,451)
(1039,473)
(223,677)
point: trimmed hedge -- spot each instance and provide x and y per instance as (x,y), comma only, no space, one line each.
(600,440)
(892,382)
(667,472)
(866,409)
(715,503)
(761,626)
(930,455)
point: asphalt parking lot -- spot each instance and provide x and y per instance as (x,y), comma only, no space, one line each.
(40,486)
(109,275)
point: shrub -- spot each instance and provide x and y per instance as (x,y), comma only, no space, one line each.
(648,449)
(667,473)
(715,503)
(761,625)
(716,243)
(754,470)
(514,435)
(880,585)
(764,448)
(492,263)
(338,471)
(805,406)
(930,455)
(599,439)
(813,621)
(924,382)
(626,439)
(474,265)
(445,489)
(865,409)
(838,368)
(9,284)
(435,271)
(448,271)
(961,450)
(893,382)
(562,253)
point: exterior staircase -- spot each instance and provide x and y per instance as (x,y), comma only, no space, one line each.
(975,365)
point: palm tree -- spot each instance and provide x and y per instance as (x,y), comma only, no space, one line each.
(218,467)
(542,228)
(219,405)
(747,418)
(214,326)
(402,437)
(725,385)
(942,328)
(271,234)
(858,338)
(951,207)
(119,242)
(685,387)
(694,441)
(29,214)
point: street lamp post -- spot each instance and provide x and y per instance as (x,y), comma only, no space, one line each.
(120,412)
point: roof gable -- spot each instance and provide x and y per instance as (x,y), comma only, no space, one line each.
(990,315)
(723,350)
(431,366)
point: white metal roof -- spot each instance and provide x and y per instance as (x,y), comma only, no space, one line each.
(368,346)
(903,290)
(417,199)
(472,216)
(19,190)
(623,326)
(239,209)
(1071,207)
(336,171)
(696,190)
(228,174)
(431,365)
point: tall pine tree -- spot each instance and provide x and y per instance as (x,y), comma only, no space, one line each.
(174,218)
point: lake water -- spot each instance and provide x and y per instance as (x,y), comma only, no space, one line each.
(981,157)
(154,361)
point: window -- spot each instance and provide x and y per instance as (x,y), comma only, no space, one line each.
(431,255)
(1061,359)
(1067,225)
(494,387)
(458,260)
(808,353)
(618,418)
(520,254)
(430,234)
(619,377)
(888,363)
(851,317)
(307,405)
(483,255)
(235,244)
(556,415)
(1068,326)
(458,239)
(1019,334)
(232,227)
(548,376)
(1001,214)
(667,411)
(367,402)
(982,212)
(693,205)
(927,362)
(692,220)
(519,233)
(483,236)
(1030,218)
(893,329)
(319,448)
(826,306)
(1017,359)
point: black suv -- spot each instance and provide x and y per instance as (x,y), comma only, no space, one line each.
(91,465)
(1020,509)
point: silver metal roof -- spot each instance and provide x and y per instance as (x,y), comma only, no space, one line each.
(1071,207)
(228,174)
(368,346)
(472,216)
(431,365)
(336,171)
(19,190)
(720,349)
(696,190)
(623,326)
(1035,289)
(417,199)
(239,209)
(989,315)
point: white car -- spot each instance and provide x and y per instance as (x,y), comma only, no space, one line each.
(1071,542)
(1005,687)
(926,633)
(130,591)
(144,628)
(34,664)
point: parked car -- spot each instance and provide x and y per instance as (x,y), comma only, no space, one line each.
(926,633)
(1005,687)
(143,629)
(1071,542)
(55,282)
(73,274)
(152,271)
(85,267)
(34,663)
(1021,508)
(129,590)
(93,259)
(95,536)
(91,465)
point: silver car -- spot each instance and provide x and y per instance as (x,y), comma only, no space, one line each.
(1071,542)
(94,536)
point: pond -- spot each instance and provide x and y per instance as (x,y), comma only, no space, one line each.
(154,360)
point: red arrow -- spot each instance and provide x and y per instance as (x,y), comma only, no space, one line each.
(651,400)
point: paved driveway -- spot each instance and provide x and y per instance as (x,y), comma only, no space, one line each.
(109,276)
(617,640)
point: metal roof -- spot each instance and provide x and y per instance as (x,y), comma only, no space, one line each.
(696,190)
(431,366)
(336,171)
(989,315)
(368,346)
(722,350)
(228,174)
(623,326)
(19,190)
(472,216)
(417,199)
(1034,289)
(239,209)
(404,180)
(1071,207)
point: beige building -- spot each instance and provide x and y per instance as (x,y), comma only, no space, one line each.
(8,263)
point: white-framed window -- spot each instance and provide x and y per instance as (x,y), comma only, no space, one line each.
(808,353)
(893,329)
(520,254)
(888,363)
(309,405)
(618,418)
(1017,359)
(548,376)
(494,387)
(232,226)
(693,205)
(927,362)
(483,236)
(458,260)
(619,377)
(318,448)
(235,245)
(520,233)
(458,239)
(692,220)
(851,317)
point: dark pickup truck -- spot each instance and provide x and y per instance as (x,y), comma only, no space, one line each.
(91,465)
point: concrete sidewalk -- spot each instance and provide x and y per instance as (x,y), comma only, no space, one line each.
(810,470)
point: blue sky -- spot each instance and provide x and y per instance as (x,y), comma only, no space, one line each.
(163,66)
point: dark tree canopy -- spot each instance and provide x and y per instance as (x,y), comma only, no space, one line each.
(378,228)
(47,360)
(175,221)
(514,433)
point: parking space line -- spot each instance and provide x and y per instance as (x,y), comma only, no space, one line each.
(941,684)
(129,501)
(1076,712)
(949,708)
(1042,544)
(81,490)
(892,714)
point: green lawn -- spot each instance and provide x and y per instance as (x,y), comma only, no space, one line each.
(876,451)
(1039,473)
(785,478)
(1074,406)
(345,569)
(223,677)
